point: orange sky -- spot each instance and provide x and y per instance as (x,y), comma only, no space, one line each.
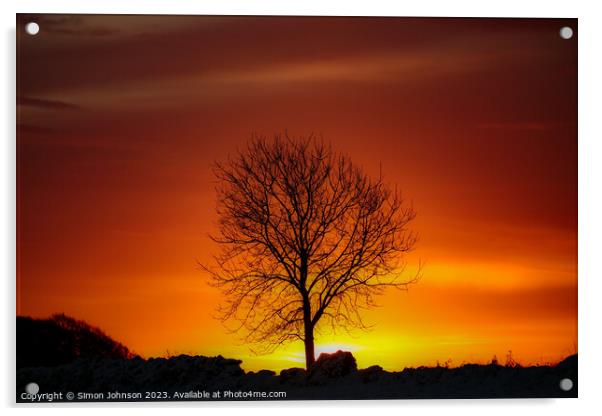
(119,119)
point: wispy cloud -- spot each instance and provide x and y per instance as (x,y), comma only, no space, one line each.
(72,26)
(517,126)
(46,104)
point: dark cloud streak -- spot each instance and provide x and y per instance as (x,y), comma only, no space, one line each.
(68,25)
(46,104)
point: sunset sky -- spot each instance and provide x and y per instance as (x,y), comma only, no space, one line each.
(475,120)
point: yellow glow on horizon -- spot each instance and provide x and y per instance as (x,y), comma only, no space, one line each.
(298,355)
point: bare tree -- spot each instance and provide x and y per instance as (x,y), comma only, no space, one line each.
(306,237)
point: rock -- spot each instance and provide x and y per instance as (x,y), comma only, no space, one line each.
(266,373)
(263,380)
(371,374)
(293,376)
(335,365)
(332,366)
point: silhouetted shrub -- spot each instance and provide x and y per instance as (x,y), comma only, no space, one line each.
(61,340)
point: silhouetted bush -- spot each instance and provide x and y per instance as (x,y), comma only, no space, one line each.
(61,340)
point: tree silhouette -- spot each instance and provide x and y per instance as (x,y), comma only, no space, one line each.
(306,237)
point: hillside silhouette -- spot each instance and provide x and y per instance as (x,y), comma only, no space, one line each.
(62,354)
(61,339)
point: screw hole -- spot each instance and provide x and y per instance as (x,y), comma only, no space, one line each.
(32,28)
(566,384)
(566,32)
(32,388)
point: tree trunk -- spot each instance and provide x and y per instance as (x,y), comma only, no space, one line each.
(310,356)
(308,338)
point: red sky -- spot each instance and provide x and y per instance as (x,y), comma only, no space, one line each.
(120,118)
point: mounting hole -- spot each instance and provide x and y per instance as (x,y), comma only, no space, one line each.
(566,32)
(566,384)
(32,388)
(32,28)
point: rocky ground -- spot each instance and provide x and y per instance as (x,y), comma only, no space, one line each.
(334,376)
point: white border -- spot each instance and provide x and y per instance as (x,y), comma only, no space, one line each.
(590,198)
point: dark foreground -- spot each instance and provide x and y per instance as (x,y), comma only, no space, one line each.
(334,376)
